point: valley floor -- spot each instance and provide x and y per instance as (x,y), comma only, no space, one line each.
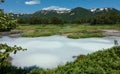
(74,31)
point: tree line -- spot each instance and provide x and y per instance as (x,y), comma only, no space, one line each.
(103,18)
(106,18)
(39,20)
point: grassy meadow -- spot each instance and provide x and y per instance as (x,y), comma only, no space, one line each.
(74,31)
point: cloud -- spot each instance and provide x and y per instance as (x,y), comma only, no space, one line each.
(32,2)
(55,8)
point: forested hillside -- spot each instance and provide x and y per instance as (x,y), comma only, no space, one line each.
(77,15)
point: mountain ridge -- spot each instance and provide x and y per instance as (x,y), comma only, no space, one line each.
(69,15)
(77,9)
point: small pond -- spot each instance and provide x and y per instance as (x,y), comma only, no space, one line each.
(49,52)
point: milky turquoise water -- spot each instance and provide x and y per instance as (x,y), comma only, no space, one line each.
(49,52)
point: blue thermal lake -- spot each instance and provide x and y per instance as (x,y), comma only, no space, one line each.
(51,51)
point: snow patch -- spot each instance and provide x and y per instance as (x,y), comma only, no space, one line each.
(57,9)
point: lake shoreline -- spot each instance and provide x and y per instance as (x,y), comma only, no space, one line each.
(48,52)
(18,33)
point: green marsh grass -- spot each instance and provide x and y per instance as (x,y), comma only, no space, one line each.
(70,30)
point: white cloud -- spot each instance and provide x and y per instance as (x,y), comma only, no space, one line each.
(32,2)
(55,8)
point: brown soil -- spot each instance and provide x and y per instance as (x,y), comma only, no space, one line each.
(112,33)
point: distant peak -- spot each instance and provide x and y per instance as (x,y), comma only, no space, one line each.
(57,8)
(101,9)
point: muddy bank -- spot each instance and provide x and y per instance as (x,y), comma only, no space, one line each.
(111,33)
(18,33)
(11,34)
(14,33)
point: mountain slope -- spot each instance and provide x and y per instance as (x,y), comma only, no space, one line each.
(78,14)
(100,11)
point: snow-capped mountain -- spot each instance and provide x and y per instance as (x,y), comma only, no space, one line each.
(101,9)
(57,9)
(65,13)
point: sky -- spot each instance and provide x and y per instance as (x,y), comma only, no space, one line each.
(30,6)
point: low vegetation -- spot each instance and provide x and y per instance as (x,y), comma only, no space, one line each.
(105,61)
(70,30)
(6,22)
(100,62)
(5,65)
